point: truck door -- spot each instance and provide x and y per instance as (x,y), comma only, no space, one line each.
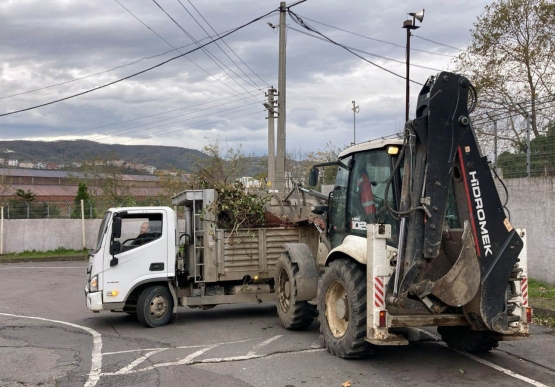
(142,256)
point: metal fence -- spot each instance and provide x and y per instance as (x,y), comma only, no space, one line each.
(66,209)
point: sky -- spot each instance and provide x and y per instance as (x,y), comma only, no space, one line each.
(46,45)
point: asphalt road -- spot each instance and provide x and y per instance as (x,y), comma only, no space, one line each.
(49,338)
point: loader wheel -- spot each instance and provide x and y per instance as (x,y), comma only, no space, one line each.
(467,340)
(342,309)
(293,314)
(155,306)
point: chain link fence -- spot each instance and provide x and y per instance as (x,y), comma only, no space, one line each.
(92,209)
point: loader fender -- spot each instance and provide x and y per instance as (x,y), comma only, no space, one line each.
(307,276)
(352,246)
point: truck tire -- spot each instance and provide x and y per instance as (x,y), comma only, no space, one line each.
(155,306)
(293,314)
(342,309)
(466,340)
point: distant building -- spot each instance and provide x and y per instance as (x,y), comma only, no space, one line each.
(115,163)
(40,165)
(13,162)
(26,165)
(51,166)
(249,182)
(1,161)
(150,169)
(76,165)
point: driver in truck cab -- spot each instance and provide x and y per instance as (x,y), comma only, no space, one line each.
(144,235)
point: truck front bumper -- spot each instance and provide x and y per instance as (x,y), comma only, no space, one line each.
(93,300)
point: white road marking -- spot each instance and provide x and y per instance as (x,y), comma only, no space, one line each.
(96,356)
(262,344)
(185,361)
(138,361)
(488,364)
(253,356)
(180,347)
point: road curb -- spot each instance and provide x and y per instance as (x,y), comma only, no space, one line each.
(72,258)
(543,312)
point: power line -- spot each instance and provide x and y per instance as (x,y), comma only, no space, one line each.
(441,44)
(153,115)
(208,53)
(169,44)
(196,126)
(374,39)
(143,71)
(221,49)
(206,21)
(365,52)
(128,130)
(300,22)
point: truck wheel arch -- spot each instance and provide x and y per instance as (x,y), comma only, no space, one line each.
(140,286)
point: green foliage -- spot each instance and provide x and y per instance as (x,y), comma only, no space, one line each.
(538,289)
(237,208)
(219,167)
(82,194)
(542,157)
(60,251)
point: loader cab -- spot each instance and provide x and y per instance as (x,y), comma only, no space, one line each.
(358,196)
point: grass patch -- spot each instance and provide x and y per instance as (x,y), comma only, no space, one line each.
(547,322)
(537,289)
(59,252)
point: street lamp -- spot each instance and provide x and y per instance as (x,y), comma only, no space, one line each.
(410,25)
(355,110)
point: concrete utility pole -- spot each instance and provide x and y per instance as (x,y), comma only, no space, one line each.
(271,139)
(280,162)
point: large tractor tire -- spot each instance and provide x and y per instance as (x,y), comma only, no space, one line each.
(342,309)
(293,314)
(467,340)
(155,306)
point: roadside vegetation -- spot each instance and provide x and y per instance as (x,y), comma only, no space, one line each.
(542,296)
(59,252)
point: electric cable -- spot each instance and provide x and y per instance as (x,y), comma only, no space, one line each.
(154,115)
(208,53)
(142,71)
(217,45)
(374,39)
(206,21)
(300,22)
(364,52)
(441,44)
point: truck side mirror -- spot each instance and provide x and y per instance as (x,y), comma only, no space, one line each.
(116,227)
(115,248)
(313,177)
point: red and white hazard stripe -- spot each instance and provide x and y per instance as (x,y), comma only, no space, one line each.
(524,290)
(379,292)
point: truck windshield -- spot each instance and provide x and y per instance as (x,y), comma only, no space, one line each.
(102,231)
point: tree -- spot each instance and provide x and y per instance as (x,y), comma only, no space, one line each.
(220,166)
(82,194)
(511,62)
(172,182)
(329,153)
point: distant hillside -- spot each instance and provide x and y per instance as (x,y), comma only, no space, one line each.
(67,152)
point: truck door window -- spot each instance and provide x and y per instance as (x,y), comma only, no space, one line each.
(102,231)
(139,229)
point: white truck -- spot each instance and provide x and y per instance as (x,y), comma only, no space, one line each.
(195,264)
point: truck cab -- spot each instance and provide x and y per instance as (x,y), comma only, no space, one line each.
(135,249)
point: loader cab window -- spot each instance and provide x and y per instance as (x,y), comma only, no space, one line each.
(139,229)
(366,198)
(337,226)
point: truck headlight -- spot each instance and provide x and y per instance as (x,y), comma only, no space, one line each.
(93,284)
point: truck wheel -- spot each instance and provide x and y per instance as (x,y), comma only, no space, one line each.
(342,309)
(155,306)
(293,314)
(467,340)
